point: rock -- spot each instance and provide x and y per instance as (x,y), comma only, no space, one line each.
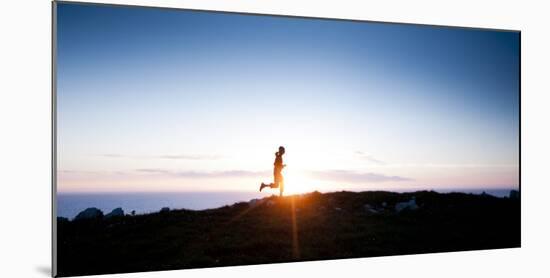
(253,202)
(337,209)
(115,212)
(410,205)
(370,209)
(514,194)
(384,204)
(89,213)
(165,209)
(270,203)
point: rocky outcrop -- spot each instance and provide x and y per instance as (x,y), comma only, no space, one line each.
(115,212)
(89,213)
(410,205)
(514,194)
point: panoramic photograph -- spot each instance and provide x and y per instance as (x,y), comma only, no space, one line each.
(192,139)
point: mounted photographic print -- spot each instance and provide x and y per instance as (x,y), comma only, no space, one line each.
(194,139)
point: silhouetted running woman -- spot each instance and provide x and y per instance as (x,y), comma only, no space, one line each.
(278,181)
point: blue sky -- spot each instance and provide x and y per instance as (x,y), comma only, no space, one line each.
(174,100)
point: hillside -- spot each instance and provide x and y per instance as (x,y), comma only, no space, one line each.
(312,226)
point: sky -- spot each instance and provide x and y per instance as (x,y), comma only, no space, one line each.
(160,100)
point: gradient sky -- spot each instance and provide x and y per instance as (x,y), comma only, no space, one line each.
(171,100)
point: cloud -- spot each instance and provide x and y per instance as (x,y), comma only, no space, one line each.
(369,158)
(202,174)
(382,164)
(169,173)
(176,156)
(83,173)
(355,177)
(448,165)
(189,157)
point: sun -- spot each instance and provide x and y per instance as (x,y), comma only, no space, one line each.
(297,183)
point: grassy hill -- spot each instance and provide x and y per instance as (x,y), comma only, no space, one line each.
(312,226)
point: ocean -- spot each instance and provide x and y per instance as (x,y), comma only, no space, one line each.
(70,204)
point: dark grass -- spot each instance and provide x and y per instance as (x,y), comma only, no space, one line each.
(329,226)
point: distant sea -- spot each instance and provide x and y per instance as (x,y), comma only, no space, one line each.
(70,204)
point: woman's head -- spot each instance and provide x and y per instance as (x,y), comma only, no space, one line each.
(281,150)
